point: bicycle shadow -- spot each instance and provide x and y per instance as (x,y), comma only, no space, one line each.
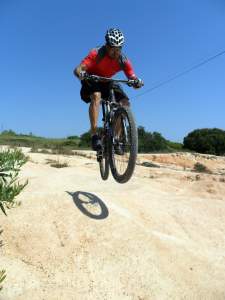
(90,205)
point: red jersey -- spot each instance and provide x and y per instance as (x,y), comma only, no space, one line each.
(99,63)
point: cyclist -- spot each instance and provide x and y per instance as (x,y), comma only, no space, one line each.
(104,61)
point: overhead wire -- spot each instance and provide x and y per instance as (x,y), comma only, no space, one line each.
(181,73)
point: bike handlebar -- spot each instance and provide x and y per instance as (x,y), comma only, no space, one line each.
(129,82)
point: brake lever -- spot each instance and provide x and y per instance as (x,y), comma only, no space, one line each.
(131,82)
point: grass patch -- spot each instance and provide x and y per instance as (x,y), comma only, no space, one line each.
(59,165)
(149,164)
(35,142)
(62,150)
(200,168)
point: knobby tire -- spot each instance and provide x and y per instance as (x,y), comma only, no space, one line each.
(132,132)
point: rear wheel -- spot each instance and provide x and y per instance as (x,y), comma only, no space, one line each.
(123,146)
(103,158)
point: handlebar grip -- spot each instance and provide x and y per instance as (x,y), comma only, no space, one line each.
(135,82)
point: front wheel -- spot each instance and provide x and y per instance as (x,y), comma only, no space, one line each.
(124,145)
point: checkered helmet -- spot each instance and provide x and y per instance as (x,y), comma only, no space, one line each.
(114,37)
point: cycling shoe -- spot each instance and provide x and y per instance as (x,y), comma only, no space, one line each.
(96,142)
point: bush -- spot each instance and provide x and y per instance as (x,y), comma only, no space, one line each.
(150,142)
(210,141)
(147,141)
(175,146)
(58,164)
(59,149)
(198,167)
(10,164)
(85,139)
(73,137)
(70,143)
(8,132)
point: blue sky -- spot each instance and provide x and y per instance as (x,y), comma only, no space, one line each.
(42,41)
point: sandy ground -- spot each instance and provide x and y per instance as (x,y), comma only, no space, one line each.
(159,236)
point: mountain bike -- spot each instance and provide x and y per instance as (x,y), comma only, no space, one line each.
(119,139)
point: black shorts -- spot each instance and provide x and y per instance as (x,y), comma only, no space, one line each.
(88,88)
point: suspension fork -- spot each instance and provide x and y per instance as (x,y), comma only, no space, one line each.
(125,129)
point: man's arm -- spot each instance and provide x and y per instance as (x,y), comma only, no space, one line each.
(129,72)
(77,71)
(86,63)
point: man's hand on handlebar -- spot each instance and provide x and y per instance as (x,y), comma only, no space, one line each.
(136,83)
(83,75)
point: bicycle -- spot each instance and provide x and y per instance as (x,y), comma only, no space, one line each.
(119,137)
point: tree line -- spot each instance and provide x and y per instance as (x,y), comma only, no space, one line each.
(206,141)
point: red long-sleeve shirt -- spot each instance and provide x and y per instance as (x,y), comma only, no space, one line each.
(99,63)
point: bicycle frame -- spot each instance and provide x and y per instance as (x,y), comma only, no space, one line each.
(107,110)
(119,140)
(108,104)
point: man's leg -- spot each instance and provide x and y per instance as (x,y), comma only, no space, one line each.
(94,111)
(93,115)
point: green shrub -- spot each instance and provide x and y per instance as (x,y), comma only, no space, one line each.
(62,150)
(58,164)
(10,164)
(210,141)
(175,146)
(73,137)
(8,132)
(151,142)
(85,139)
(198,167)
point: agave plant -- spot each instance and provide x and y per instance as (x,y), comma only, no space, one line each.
(10,165)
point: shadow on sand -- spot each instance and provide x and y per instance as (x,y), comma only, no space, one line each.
(90,205)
